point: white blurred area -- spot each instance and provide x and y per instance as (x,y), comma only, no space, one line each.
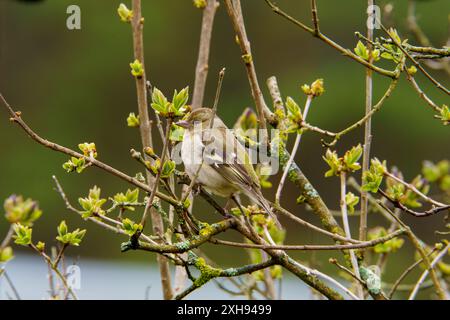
(102,279)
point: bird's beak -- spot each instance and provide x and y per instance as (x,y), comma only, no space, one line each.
(183,123)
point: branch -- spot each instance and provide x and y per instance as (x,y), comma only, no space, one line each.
(416,63)
(365,244)
(417,243)
(201,70)
(16,117)
(425,273)
(183,246)
(146,136)
(293,153)
(368,115)
(406,272)
(230,272)
(353,259)
(367,129)
(235,13)
(422,214)
(319,35)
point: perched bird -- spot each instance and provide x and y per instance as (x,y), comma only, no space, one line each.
(226,169)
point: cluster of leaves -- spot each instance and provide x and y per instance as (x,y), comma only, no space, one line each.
(316,89)
(130,227)
(127,200)
(438,173)
(390,246)
(23,234)
(79,164)
(294,113)
(347,163)
(18,210)
(176,108)
(363,52)
(351,200)
(22,214)
(387,50)
(69,238)
(445,115)
(398,191)
(373,178)
(167,169)
(92,204)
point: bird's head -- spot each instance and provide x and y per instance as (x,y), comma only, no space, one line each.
(199,116)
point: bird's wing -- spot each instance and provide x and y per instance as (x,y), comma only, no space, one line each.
(230,159)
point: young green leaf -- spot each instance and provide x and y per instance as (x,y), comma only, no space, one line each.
(23,234)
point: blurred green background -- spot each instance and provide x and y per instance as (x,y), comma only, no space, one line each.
(75,86)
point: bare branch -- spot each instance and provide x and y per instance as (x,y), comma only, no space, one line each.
(201,70)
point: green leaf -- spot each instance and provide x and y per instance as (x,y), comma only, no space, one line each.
(445,114)
(137,69)
(132,195)
(92,204)
(23,234)
(88,150)
(351,200)
(159,102)
(168,168)
(130,227)
(351,157)
(361,51)
(293,109)
(371,182)
(125,14)
(331,158)
(62,228)
(133,120)
(180,99)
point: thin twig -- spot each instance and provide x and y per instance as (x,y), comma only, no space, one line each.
(302,222)
(348,234)
(405,274)
(438,257)
(365,244)
(10,283)
(158,174)
(321,36)
(367,127)
(235,13)
(417,243)
(201,70)
(137,25)
(416,63)
(293,152)
(16,118)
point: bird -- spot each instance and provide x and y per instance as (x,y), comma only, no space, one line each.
(225,166)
